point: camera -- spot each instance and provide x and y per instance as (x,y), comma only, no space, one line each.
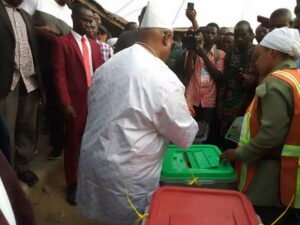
(192,38)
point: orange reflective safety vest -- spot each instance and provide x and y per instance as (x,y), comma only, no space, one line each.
(290,154)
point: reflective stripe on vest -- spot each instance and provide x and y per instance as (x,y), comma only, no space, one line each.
(243,177)
(294,151)
(245,132)
(287,151)
(290,151)
(290,77)
(245,139)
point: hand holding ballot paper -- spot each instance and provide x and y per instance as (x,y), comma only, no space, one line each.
(233,133)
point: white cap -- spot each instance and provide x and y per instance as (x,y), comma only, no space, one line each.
(285,40)
(156,16)
(112,41)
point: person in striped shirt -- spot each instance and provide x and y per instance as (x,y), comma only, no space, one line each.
(106,50)
(99,34)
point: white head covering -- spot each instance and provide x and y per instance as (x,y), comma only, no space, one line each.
(286,40)
(112,41)
(156,16)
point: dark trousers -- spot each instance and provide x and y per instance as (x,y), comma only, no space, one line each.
(269,214)
(55,118)
(4,137)
(207,115)
(20,109)
(74,132)
(54,114)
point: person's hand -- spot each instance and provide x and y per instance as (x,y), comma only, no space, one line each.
(229,154)
(69,112)
(191,14)
(192,111)
(200,51)
(46,29)
(46,32)
(200,43)
(192,54)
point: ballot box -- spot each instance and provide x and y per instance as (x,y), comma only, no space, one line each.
(194,206)
(198,165)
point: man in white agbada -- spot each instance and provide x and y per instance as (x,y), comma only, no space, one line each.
(136,105)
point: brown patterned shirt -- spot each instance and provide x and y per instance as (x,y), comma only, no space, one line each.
(24,67)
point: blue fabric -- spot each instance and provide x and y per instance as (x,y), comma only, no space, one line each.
(4,137)
(298,63)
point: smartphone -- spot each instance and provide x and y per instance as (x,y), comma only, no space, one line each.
(263,20)
(190,5)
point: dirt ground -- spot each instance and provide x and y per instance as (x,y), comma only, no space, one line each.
(48,195)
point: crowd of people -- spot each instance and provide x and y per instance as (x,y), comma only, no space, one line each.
(112,104)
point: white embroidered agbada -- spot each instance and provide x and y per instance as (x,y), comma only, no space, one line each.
(136,105)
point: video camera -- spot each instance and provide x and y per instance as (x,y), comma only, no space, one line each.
(192,38)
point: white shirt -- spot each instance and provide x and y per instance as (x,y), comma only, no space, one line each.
(48,6)
(5,206)
(78,38)
(136,105)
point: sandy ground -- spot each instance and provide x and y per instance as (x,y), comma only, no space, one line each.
(48,195)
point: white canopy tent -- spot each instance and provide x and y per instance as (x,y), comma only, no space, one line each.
(224,13)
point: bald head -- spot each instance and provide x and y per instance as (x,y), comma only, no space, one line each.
(159,40)
(281,12)
(281,18)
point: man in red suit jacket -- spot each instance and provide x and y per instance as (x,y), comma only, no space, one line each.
(75,58)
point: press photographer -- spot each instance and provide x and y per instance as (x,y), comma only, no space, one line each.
(203,69)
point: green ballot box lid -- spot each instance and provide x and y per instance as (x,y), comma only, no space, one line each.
(198,161)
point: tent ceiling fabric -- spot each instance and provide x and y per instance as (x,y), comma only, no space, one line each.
(225,13)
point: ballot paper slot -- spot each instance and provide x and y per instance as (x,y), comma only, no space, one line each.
(187,160)
(198,160)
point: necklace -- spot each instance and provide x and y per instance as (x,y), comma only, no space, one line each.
(147,47)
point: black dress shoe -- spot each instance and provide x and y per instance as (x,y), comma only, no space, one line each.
(71,195)
(28,177)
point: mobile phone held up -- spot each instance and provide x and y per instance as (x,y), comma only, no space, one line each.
(190,6)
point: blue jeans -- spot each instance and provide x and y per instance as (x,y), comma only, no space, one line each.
(4,137)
